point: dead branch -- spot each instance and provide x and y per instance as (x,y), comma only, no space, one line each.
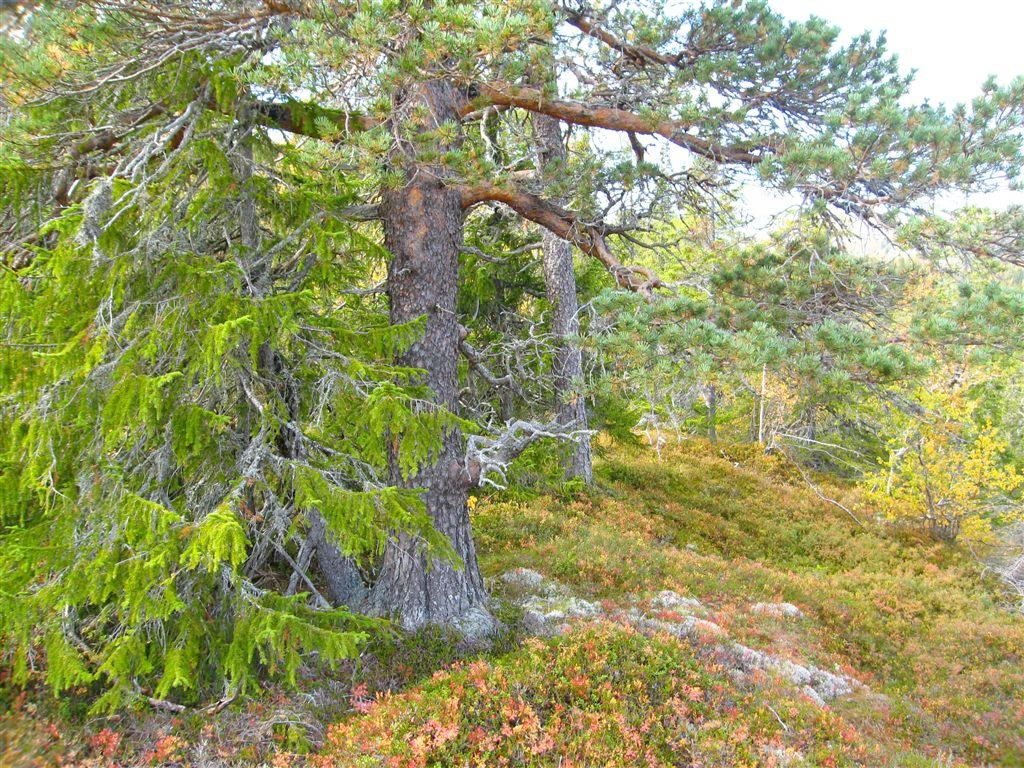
(477,364)
(488,458)
(638,53)
(817,490)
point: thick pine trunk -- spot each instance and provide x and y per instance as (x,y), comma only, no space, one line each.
(560,283)
(423,232)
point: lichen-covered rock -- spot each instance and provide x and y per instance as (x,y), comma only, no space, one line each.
(525,581)
(780,610)
(667,600)
(820,686)
(812,693)
(749,660)
(831,686)
(549,608)
(684,629)
(477,626)
(568,606)
(542,624)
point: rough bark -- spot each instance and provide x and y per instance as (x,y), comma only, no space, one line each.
(560,284)
(342,580)
(423,231)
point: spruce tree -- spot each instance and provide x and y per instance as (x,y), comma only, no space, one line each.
(191,406)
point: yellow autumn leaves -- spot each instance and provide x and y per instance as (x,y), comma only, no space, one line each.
(946,469)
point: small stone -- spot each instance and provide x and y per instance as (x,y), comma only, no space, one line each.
(582,609)
(533,622)
(477,626)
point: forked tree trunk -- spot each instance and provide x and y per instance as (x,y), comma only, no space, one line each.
(560,283)
(423,232)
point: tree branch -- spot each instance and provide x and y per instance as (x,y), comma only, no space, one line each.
(614,119)
(587,237)
(491,456)
(639,53)
(477,364)
(307,119)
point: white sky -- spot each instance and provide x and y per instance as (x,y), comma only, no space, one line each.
(953,45)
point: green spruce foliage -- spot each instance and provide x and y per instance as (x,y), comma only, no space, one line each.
(183,388)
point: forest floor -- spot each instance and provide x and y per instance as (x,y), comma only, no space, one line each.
(701,608)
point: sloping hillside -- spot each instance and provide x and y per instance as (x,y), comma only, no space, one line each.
(649,593)
(940,660)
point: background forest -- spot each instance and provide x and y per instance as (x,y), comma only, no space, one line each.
(346,349)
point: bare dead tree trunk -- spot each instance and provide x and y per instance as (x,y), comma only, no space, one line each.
(560,282)
(760,404)
(712,400)
(755,409)
(423,232)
